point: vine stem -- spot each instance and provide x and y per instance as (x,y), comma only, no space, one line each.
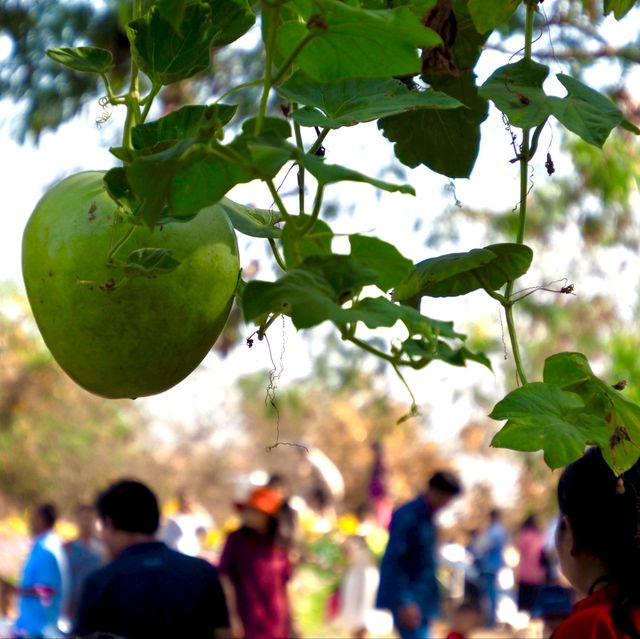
(300,145)
(268,64)
(132,99)
(524,157)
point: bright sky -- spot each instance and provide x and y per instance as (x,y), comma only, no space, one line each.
(26,171)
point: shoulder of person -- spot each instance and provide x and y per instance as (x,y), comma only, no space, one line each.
(593,622)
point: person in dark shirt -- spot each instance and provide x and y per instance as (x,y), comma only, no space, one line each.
(408,585)
(148,590)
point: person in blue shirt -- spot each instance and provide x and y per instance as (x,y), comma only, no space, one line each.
(408,585)
(488,550)
(44,580)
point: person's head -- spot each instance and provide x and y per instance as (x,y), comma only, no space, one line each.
(280,484)
(261,509)
(494,516)
(42,518)
(129,514)
(530,523)
(598,533)
(441,489)
(186,502)
(86,521)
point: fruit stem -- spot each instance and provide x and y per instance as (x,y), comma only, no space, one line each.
(120,243)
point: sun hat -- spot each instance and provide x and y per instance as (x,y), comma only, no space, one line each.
(264,499)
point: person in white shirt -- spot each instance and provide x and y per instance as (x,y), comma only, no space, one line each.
(182,531)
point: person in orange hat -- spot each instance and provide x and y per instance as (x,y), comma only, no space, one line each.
(255,569)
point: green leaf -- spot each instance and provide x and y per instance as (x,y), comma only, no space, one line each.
(180,55)
(567,369)
(304,295)
(586,112)
(619,416)
(118,187)
(489,14)
(150,262)
(385,259)
(516,89)
(348,42)
(425,351)
(345,275)
(202,177)
(446,141)
(460,273)
(172,11)
(231,19)
(348,102)
(330,173)
(184,123)
(542,416)
(316,242)
(85,59)
(620,8)
(251,221)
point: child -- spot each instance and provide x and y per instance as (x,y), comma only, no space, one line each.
(598,545)
(466,618)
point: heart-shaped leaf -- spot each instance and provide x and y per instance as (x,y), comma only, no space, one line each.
(542,416)
(516,89)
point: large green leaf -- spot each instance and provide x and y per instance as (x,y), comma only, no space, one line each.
(384,258)
(460,273)
(620,8)
(349,42)
(316,242)
(446,141)
(184,123)
(542,416)
(330,173)
(619,417)
(251,221)
(180,55)
(489,14)
(231,19)
(586,112)
(348,102)
(85,59)
(516,89)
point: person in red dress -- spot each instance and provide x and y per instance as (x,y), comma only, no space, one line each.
(598,544)
(255,569)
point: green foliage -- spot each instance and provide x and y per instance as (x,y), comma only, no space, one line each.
(489,14)
(337,104)
(488,268)
(348,42)
(409,66)
(516,89)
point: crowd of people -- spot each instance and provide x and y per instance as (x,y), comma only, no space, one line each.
(142,576)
